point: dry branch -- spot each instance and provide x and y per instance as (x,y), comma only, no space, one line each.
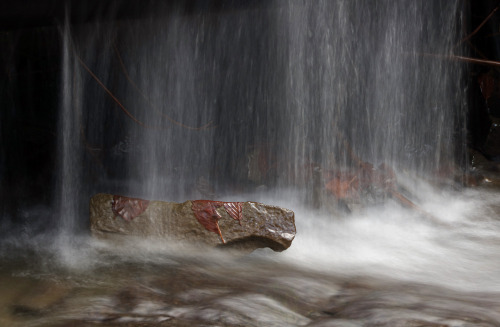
(101,84)
(129,79)
(124,109)
(479,26)
(477,61)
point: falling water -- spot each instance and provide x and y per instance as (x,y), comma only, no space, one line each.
(258,103)
(355,71)
(202,104)
(265,101)
(70,155)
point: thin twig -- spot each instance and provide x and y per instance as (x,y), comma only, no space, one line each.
(127,76)
(477,61)
(476,50)
(409,204)
(122,107)
(480,25)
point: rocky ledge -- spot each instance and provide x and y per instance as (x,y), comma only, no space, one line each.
(240,225)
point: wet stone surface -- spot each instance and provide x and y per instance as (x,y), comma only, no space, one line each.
(242,225)
(433,277)
(245,293)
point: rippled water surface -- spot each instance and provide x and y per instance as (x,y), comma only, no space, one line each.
(380,266)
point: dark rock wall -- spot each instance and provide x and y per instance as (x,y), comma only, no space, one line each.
(484,80)
(29,82)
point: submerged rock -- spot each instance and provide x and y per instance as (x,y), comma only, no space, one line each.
(241,225)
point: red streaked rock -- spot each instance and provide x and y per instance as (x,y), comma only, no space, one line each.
(243,225)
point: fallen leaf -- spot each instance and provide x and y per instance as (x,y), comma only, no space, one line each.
(128,208)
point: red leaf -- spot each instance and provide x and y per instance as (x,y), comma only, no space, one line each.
(128,208)
(207,215)
(234,209)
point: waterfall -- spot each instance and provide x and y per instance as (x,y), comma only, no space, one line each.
(357,85)
(70,148)
(188,102)
(356,68)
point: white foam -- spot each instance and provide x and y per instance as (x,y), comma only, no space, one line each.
(460,250)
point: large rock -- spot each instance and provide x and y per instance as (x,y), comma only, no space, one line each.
(242,225)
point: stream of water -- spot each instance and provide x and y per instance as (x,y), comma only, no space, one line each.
(382,266)
(253,103)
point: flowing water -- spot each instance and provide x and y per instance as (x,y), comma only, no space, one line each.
(264,101)
(384,266)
